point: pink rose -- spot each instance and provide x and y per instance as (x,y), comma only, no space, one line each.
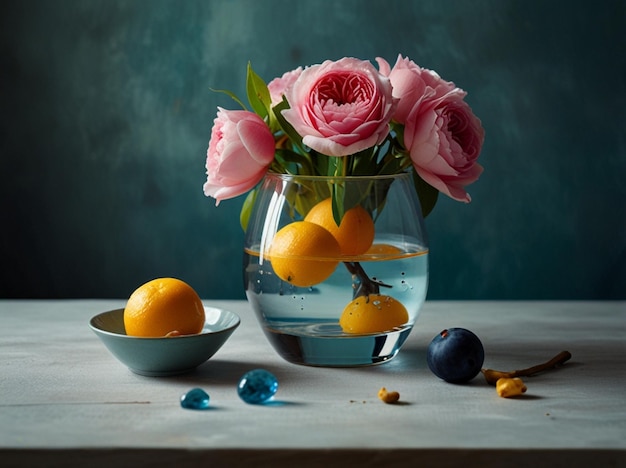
(444,139)
(340,108)
(442,134)
(412,83)
(240,151)
(278,86)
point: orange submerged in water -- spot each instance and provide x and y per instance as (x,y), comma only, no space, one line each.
(164,306)
(384,251)
(373,314)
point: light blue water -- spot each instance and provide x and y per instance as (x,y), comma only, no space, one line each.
(303,323)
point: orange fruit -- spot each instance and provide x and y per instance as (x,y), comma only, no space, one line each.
(164,306)
(355,234)
(304,254)
(384,251)
(373,314)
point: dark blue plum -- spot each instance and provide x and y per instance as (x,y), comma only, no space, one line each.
(455,355)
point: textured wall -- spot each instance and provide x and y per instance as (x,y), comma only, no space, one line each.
(106,115)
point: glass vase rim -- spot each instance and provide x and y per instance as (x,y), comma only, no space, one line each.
(288,176)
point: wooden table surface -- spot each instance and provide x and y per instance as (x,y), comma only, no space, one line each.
(66,401)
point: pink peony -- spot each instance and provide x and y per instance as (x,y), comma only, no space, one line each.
(278,86)
(342,107)
(444,139)
(412,83)
(240,151)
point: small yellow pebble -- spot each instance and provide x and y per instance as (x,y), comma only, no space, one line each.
(508,387)
(388,397)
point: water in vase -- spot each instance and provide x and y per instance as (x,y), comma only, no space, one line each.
(303,323)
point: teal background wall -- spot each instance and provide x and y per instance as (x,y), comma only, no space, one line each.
(106,114)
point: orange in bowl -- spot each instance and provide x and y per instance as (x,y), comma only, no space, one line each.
(164,307)
(163,356)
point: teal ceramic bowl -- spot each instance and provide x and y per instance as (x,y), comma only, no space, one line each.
(158,357)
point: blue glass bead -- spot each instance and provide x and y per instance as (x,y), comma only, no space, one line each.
(257,386)
(196,398)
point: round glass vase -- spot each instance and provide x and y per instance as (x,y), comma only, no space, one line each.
(302,323)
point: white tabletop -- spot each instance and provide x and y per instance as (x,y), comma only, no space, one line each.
(66,400)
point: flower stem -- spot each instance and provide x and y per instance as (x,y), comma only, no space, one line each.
(492,376)
(362,284)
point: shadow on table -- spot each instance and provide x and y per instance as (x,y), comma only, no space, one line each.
(218,372)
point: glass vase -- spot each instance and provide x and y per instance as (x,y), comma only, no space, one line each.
(306,323)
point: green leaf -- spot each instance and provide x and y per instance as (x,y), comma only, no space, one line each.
(364,162)
(288,158)
(321,163)
(426,193)
(286,127)
(305,201)
(335,166)
(301,197)
(397,133)
(347,196)
(232,95)
(246,209)
(337,195)
(393,164)
(258,94)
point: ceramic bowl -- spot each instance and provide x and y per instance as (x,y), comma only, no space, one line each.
(158,357)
